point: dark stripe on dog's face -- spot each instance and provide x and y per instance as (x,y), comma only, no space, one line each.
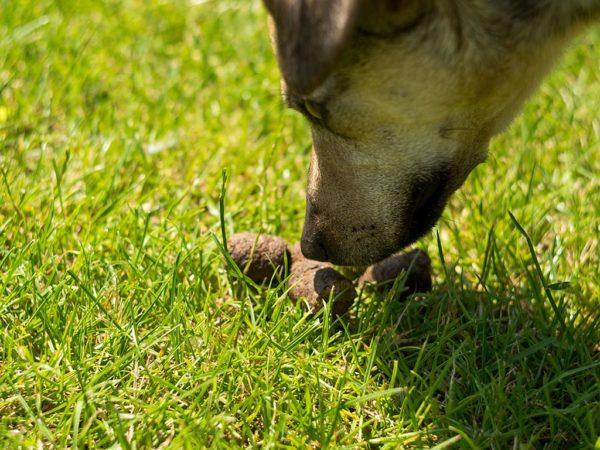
(429,198)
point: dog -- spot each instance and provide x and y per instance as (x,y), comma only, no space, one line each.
(403,97)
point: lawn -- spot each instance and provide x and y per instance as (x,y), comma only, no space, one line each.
(122,325)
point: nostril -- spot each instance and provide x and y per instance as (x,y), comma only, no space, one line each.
(314,247)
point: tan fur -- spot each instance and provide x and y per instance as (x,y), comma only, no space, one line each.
(407,112)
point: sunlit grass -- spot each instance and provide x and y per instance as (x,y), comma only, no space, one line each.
(122,325)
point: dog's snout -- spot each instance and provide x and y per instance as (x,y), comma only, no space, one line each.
(313,243)
(314,246)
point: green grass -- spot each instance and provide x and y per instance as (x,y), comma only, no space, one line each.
(122,325)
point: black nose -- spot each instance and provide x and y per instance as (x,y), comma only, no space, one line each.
(313,246)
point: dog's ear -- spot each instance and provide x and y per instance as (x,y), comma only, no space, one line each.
(310,35)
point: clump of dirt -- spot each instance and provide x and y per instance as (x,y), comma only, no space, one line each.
(263,256)
(259,256)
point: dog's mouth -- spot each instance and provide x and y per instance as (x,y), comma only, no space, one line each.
(429,198)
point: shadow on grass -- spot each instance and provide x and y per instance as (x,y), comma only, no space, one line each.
(494,365)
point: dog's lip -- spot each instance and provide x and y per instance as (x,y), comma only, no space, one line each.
(424,192)
(428,208)
(360,260)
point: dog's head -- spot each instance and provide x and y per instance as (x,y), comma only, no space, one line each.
(402,97)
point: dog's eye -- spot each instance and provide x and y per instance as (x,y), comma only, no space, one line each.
(314,109)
